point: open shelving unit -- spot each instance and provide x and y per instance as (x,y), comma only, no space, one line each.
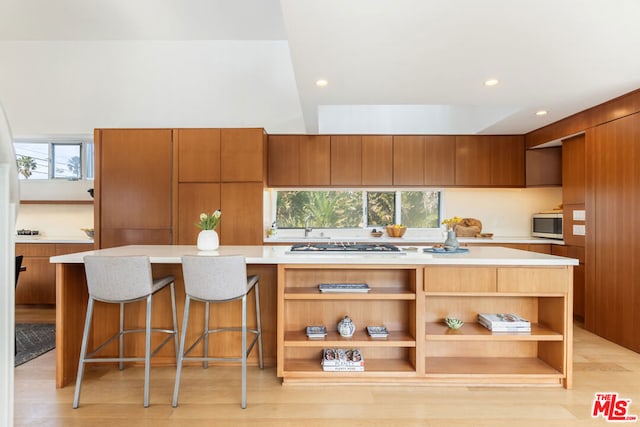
(475,355)
(390,302)
(412,301)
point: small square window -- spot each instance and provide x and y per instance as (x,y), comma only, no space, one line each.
(66,160)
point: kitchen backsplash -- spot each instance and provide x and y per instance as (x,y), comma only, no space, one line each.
(503,212)
(56,220)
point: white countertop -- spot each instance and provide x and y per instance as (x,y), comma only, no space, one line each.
(52,239)
(477,255)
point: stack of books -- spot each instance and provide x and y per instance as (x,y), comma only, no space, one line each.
(342,360)
(316,331)
(343,287)
(504,322)
(377,331)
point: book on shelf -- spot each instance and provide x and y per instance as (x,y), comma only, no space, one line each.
(316,331)
(499,322)
(343,287)
(377,331)
(339,359)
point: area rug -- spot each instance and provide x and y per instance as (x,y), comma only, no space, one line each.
(33,340)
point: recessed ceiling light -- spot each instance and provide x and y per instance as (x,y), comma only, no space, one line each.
(321,82)
(541,113)
(491,82)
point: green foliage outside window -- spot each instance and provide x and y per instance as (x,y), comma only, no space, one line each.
(357,209)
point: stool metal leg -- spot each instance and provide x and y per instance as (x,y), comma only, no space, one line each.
(121,337)
(205,362)
(83,353)
(244,351)
(185,321)
(259,324)
(147,353)
(174,314)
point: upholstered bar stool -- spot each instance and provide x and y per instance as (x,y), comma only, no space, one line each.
(121,280)
(212,279)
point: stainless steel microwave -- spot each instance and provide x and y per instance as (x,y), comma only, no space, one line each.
(547,225)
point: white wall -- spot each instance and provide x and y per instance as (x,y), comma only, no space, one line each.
(75,86)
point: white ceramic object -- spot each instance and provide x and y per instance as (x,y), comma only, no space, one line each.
(208,240)
(346,327)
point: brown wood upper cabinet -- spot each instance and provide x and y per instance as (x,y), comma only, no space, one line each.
(544,167)
(423,160)
(242,155)
(198,152)
(361,160)
(573,170)
(299,160)
(346,160)
(490,160)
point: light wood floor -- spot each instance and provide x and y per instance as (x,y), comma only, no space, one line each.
(212,397)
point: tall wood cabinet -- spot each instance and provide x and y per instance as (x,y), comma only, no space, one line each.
(613,227)
(133,186)
(220,169)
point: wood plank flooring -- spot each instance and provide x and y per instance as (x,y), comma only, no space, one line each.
(212,397)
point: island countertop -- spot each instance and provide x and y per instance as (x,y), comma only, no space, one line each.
(264,255)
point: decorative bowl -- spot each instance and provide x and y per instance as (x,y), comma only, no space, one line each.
(376,233)
(453,322)
(396,231)
(89,232)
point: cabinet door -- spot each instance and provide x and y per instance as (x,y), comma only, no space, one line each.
(315,160)
(346,160)
(439,160)
(377,160)
(37,284)
(573,170)
(507,161)
(135,175)
(282,159)
(241,222)
(198,155)
(194,199)
(543,167)
(473,160)
(242,155)
(408,160)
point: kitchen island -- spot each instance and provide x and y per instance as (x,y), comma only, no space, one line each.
(411,292)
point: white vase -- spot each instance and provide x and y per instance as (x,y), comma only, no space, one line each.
(208,240)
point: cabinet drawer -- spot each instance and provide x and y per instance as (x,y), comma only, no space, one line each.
(535,279)
(35,249)
(70,248)
(460,279)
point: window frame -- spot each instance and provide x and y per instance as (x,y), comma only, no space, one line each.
(397,208)
(87,164)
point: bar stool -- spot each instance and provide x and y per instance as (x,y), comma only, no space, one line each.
(121,280)
(218,280)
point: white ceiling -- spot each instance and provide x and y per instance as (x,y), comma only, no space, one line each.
(393,66)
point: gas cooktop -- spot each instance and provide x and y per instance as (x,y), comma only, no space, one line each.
(345,247)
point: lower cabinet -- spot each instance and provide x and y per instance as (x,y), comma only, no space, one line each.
(37,284)
(411,302)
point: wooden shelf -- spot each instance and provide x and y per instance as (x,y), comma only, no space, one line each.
(477,332)
(359,339)
(373,367)
(373,294)
(489,366)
